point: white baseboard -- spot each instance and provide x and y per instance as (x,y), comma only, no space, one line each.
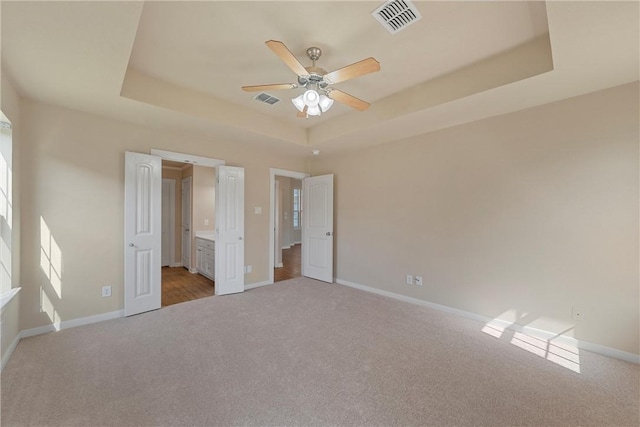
(176,264)
(279,265)
(539,333)
(57,326)
(193,271)
(257,285)
(66,324)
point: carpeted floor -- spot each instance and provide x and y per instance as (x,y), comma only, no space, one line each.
(303,352)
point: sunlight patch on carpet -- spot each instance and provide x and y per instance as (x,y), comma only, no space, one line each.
(563,354)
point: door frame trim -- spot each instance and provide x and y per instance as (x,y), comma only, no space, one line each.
(189,180)
(273,172)
(172,220)
(187,158)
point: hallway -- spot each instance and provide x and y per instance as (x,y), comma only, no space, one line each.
(292,264)
(178,285)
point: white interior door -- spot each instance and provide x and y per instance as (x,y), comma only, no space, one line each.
(229,245)
(142,233)
(317,228)
(186,223)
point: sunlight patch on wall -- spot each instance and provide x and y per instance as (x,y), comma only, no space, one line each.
(46,306)
(50,258)
(497,326)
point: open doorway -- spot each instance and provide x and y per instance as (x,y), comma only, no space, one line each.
(286,221)
(188,218)
(143,228)
(288,228)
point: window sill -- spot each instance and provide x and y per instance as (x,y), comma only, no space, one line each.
(6,296)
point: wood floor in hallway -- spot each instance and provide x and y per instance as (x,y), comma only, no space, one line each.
(178,285)
(292,264)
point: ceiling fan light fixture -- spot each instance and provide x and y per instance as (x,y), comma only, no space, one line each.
(314,111)
(311,98)
(298,102)
(316,81)
(325,102)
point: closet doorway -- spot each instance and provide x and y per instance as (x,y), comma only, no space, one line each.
(189,202)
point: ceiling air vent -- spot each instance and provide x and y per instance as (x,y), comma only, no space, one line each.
(396,15)
(266,98)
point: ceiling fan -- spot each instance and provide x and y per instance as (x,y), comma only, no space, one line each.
(319,96)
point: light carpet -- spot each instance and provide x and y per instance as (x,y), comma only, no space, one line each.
(303,352)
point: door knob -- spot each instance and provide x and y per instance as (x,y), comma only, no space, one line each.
(240,238)
(131,245)
(328,233)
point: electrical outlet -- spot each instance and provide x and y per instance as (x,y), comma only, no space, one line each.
(419,280)
(409,279)
(206,222)
(247,269)
(106,291)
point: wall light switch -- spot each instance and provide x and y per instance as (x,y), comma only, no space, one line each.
(206,222)
(106,291)
(419,280)
(257,210)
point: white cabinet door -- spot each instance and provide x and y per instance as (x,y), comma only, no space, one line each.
(208,263)
(199,257)
(142,233)
(229,244)
(317,228)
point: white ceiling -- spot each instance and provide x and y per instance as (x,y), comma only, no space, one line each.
(180,65)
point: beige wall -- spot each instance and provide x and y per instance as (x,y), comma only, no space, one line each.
(202,204)
(204,193)
(176,175)
(10,106)
(74,181)
(532,212)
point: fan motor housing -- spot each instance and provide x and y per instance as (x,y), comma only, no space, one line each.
(316,76)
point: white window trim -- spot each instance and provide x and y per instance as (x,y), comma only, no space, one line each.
(6,296)
(299,227)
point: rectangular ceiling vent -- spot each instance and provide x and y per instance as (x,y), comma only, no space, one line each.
(396,15)
(266,98)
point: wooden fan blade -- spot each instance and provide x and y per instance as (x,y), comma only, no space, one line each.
(303,114)
(350,100)
(259,88)
(366,66)
(285,54)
